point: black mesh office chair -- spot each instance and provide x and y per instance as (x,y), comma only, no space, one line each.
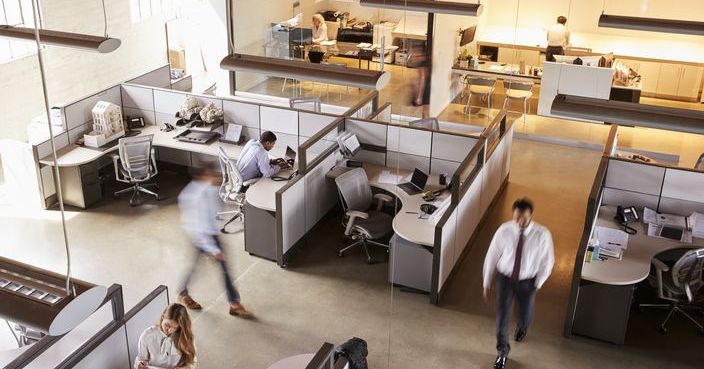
(681,286)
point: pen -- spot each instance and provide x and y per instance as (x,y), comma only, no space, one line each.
(613,243)
(411,212)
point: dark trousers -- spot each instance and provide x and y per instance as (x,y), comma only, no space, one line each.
(506,289)
(553,50)
(232,295)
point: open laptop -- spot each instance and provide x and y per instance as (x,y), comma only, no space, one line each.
(290,156)
(417,183)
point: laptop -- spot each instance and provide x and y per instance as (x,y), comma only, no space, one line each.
(417,183)
(290,156)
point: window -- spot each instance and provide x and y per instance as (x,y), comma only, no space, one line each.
(16,13)
(144,9)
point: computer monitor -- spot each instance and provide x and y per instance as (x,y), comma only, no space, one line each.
(290,156)
(419,178)
(468,35)
(301,36)
(352,144)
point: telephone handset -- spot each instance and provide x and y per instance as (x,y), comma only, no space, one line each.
(625,216)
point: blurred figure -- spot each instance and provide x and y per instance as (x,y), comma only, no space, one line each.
(199,204)
(320,29)
(254,160)
(558,39)
(418,59)
(168,344)
(522,254)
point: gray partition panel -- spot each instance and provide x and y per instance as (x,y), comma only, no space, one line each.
(451,147)
(439,166)
(635,177)
(79,112)
(407,161)
(246,114)
(409,141)
(279,120)
(137,97)
(310,124)
(372,157)
(160,77)
(367,133)
(680,207)
(616,197)
(684,185)
(111,354)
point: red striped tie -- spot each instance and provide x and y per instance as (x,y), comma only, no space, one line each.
(519,255)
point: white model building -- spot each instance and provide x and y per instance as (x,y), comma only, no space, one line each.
(107,124)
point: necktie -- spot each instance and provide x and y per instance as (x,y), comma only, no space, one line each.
(519,255)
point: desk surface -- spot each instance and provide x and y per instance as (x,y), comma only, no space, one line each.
(485,69)
(73,155)
(262,194)
(635,265)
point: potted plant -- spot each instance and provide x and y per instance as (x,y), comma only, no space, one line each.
(464,59)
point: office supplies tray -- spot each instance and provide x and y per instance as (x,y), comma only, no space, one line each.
(196,136)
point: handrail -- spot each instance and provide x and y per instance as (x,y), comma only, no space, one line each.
(593,204)
(322,357)
(303,165)
(393,124)
(476,158)
(375,114)
(499,122)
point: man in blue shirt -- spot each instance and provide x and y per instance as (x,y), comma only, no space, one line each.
(254,160)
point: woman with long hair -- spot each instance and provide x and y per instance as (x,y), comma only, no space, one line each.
(168,344)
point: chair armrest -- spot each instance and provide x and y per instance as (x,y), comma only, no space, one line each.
(659,265)
(353,214)
(381,200)
(115,164)
(153,159)
(250,182)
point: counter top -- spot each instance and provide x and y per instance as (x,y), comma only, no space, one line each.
(73,155)
(635,265)
(651,49)
(489,69)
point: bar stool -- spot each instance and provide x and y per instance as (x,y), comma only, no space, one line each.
(518,91)
(481,86)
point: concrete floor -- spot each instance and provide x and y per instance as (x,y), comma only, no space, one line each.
(321,297)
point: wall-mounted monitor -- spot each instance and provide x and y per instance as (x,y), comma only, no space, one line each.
(468,35)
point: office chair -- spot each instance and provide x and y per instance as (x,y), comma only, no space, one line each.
(680,285)
(135,165)
(232,189)
(363,223)
(521,91)
(700,163)
(483,87)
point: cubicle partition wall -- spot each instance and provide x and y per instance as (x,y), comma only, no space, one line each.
(383,114)
(625,182)
(160,77)
(107,340)
(476,179)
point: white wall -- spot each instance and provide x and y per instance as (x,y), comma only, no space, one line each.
(73,74)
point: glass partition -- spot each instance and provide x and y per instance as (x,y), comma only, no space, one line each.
(677,149)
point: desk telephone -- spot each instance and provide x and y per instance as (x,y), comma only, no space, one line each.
(625,216)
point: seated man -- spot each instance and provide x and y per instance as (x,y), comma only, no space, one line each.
(254,161)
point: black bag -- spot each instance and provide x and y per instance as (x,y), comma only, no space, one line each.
(355,351)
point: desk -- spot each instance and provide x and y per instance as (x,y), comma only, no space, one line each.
(606,291)
(485,70)
(79,166)
(414,237)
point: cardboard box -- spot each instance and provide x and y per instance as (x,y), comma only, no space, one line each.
(177,59)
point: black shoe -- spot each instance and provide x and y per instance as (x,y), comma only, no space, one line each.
(500,362)
(520,335)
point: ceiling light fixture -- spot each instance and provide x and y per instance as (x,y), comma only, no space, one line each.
(652,24)
(323,73)
(629,113)
(63,39)
(427,6)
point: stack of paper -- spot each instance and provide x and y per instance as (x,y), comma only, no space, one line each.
(387,177)
(669,226)
(609,237)
(697,225)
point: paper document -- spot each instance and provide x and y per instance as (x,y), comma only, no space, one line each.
(670,233)
(610,237)
(697,225)
(612,252)
(364,45)
(328,43)
(233,132)
(387,177)
(496,67)
(670,220)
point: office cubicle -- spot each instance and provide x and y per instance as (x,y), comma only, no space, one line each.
(621,181)
(107,340)
(478,165)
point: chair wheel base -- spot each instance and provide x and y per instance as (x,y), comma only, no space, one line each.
(662,329)
(369,261)
(341,255)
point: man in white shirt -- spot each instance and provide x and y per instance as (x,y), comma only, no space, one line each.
(199,206)
(521,258)
(254,160)
(558,39)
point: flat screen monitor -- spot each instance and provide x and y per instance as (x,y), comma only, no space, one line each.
(301,36)
(468,35)
(352,144)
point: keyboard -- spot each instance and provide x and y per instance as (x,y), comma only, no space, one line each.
(409,188)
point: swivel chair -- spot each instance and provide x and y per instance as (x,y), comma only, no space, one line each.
(232,189)
(136,165)
(363,223)
(681,286)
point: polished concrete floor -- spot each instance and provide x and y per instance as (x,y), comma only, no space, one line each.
(321,297)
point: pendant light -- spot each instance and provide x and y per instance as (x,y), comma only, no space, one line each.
(323,73)
(63,39)
(426,6)
(652,24)
(629,113)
